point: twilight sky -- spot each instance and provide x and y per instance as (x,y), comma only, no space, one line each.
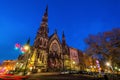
(20,19)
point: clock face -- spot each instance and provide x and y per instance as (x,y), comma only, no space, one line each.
(54,47)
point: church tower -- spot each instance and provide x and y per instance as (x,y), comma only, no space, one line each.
(41,43)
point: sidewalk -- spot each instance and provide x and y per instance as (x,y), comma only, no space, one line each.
(46,73)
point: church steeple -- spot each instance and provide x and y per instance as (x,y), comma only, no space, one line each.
(28,41)
(44,24)
(46,11)
(42,34)
(45,17)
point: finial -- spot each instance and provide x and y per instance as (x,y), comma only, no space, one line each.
(28,41)
(63,34)
(47,8)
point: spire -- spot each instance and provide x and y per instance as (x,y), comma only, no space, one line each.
(46,11)
(63,35)
(63,39)
(44,24)
(45,17)
(28,41)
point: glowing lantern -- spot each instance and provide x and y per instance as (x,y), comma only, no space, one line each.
(26,47)
(17,46)
(22,50)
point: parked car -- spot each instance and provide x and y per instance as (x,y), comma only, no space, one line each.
(65,72)
(82,72)
(74,72)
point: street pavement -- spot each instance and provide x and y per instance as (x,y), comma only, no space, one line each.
(57,76)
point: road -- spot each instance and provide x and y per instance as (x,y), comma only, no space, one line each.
(53,76)
(56,76)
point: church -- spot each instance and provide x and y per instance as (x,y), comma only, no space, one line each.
(49,53)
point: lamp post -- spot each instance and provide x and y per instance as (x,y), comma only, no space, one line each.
(109,65)
(116,68)
(27,49)
(24,49)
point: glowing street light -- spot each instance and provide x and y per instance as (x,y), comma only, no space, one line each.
(91,66)
(73,62)
(94,66)
(108,64)
(116,68)
(17,46)
(26,47)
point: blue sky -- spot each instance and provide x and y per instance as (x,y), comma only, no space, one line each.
(20,19)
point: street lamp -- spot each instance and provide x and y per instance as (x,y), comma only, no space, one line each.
(91,66)
(116,68)
(24,49)
(109,65)
(27,48)
(73,62)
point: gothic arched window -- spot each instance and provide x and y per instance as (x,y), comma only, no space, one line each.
(54,47)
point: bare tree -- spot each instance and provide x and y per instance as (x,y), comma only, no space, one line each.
(106,45)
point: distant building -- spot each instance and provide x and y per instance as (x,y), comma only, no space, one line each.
(8,65)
